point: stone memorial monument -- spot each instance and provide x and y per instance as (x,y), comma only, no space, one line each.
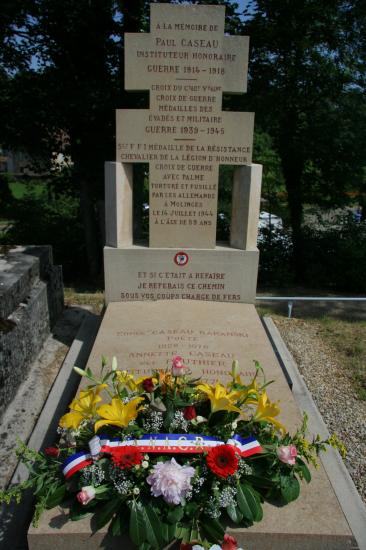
(187,63)
(183,295)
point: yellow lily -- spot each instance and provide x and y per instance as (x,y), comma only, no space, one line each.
(266,411)
(220,398)
(248,394)
(118,413)
(126,380)
(82,408)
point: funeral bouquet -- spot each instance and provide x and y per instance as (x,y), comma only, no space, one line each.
(167,456)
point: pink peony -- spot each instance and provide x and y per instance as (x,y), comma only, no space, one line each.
(86,495)
(229,543)
(287,454)
(171,481)
(177,366)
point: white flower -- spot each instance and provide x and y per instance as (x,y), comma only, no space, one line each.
(171,481)
(234,425)
(145,464)
(198,547)
(198,420)
(215,547)
(136,491)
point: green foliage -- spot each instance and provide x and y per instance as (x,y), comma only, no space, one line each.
(333,253)
(307,88)
(44,216)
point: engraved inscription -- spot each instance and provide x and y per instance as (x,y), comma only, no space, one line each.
(186,64)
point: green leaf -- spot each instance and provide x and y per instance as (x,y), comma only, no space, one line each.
(168,532)
(153,527)
(175,514)
(56,496)
(118,524)
(78,511)
(145,546)
(234,513)
(191,509)
(184,533)
(102,492)
(304,470)
(290,488)
(243,503)
(169,415)
(39,484)
(105,513)
(137,524)
(253,501)
(218,418)
(213,528)
(260,481)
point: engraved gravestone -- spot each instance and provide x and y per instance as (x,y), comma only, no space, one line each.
(187,63)
(183,268)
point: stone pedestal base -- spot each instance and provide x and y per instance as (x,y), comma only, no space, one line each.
(140,273)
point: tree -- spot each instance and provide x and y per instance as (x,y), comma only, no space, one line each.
(306,89)
(62,81)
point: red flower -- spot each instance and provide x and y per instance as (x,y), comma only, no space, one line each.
(126,457)
(189,413)
(148,385)
(222,460)
(52,451)
(229,543)
(185,546)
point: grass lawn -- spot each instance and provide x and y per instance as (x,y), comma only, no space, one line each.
(80,297)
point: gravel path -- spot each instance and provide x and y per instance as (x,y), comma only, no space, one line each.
(332,391)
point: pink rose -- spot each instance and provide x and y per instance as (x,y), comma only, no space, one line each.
(287,454)
(177,366)
(86,495)
(229,543)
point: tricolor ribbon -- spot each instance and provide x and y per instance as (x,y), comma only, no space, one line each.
(158,443)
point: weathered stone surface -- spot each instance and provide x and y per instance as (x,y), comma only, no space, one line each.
(118,204)
(245,207)
(209,336)
(140,273)
(31,299)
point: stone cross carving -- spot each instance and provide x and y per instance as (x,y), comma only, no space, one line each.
(187,63)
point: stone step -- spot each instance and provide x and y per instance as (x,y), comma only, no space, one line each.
(20,268)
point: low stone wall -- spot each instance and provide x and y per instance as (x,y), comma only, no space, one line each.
(31,299)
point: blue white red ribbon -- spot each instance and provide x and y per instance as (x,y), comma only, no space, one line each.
(76,462)
(158,443)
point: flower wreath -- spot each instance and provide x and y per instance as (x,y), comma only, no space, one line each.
(166,456)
